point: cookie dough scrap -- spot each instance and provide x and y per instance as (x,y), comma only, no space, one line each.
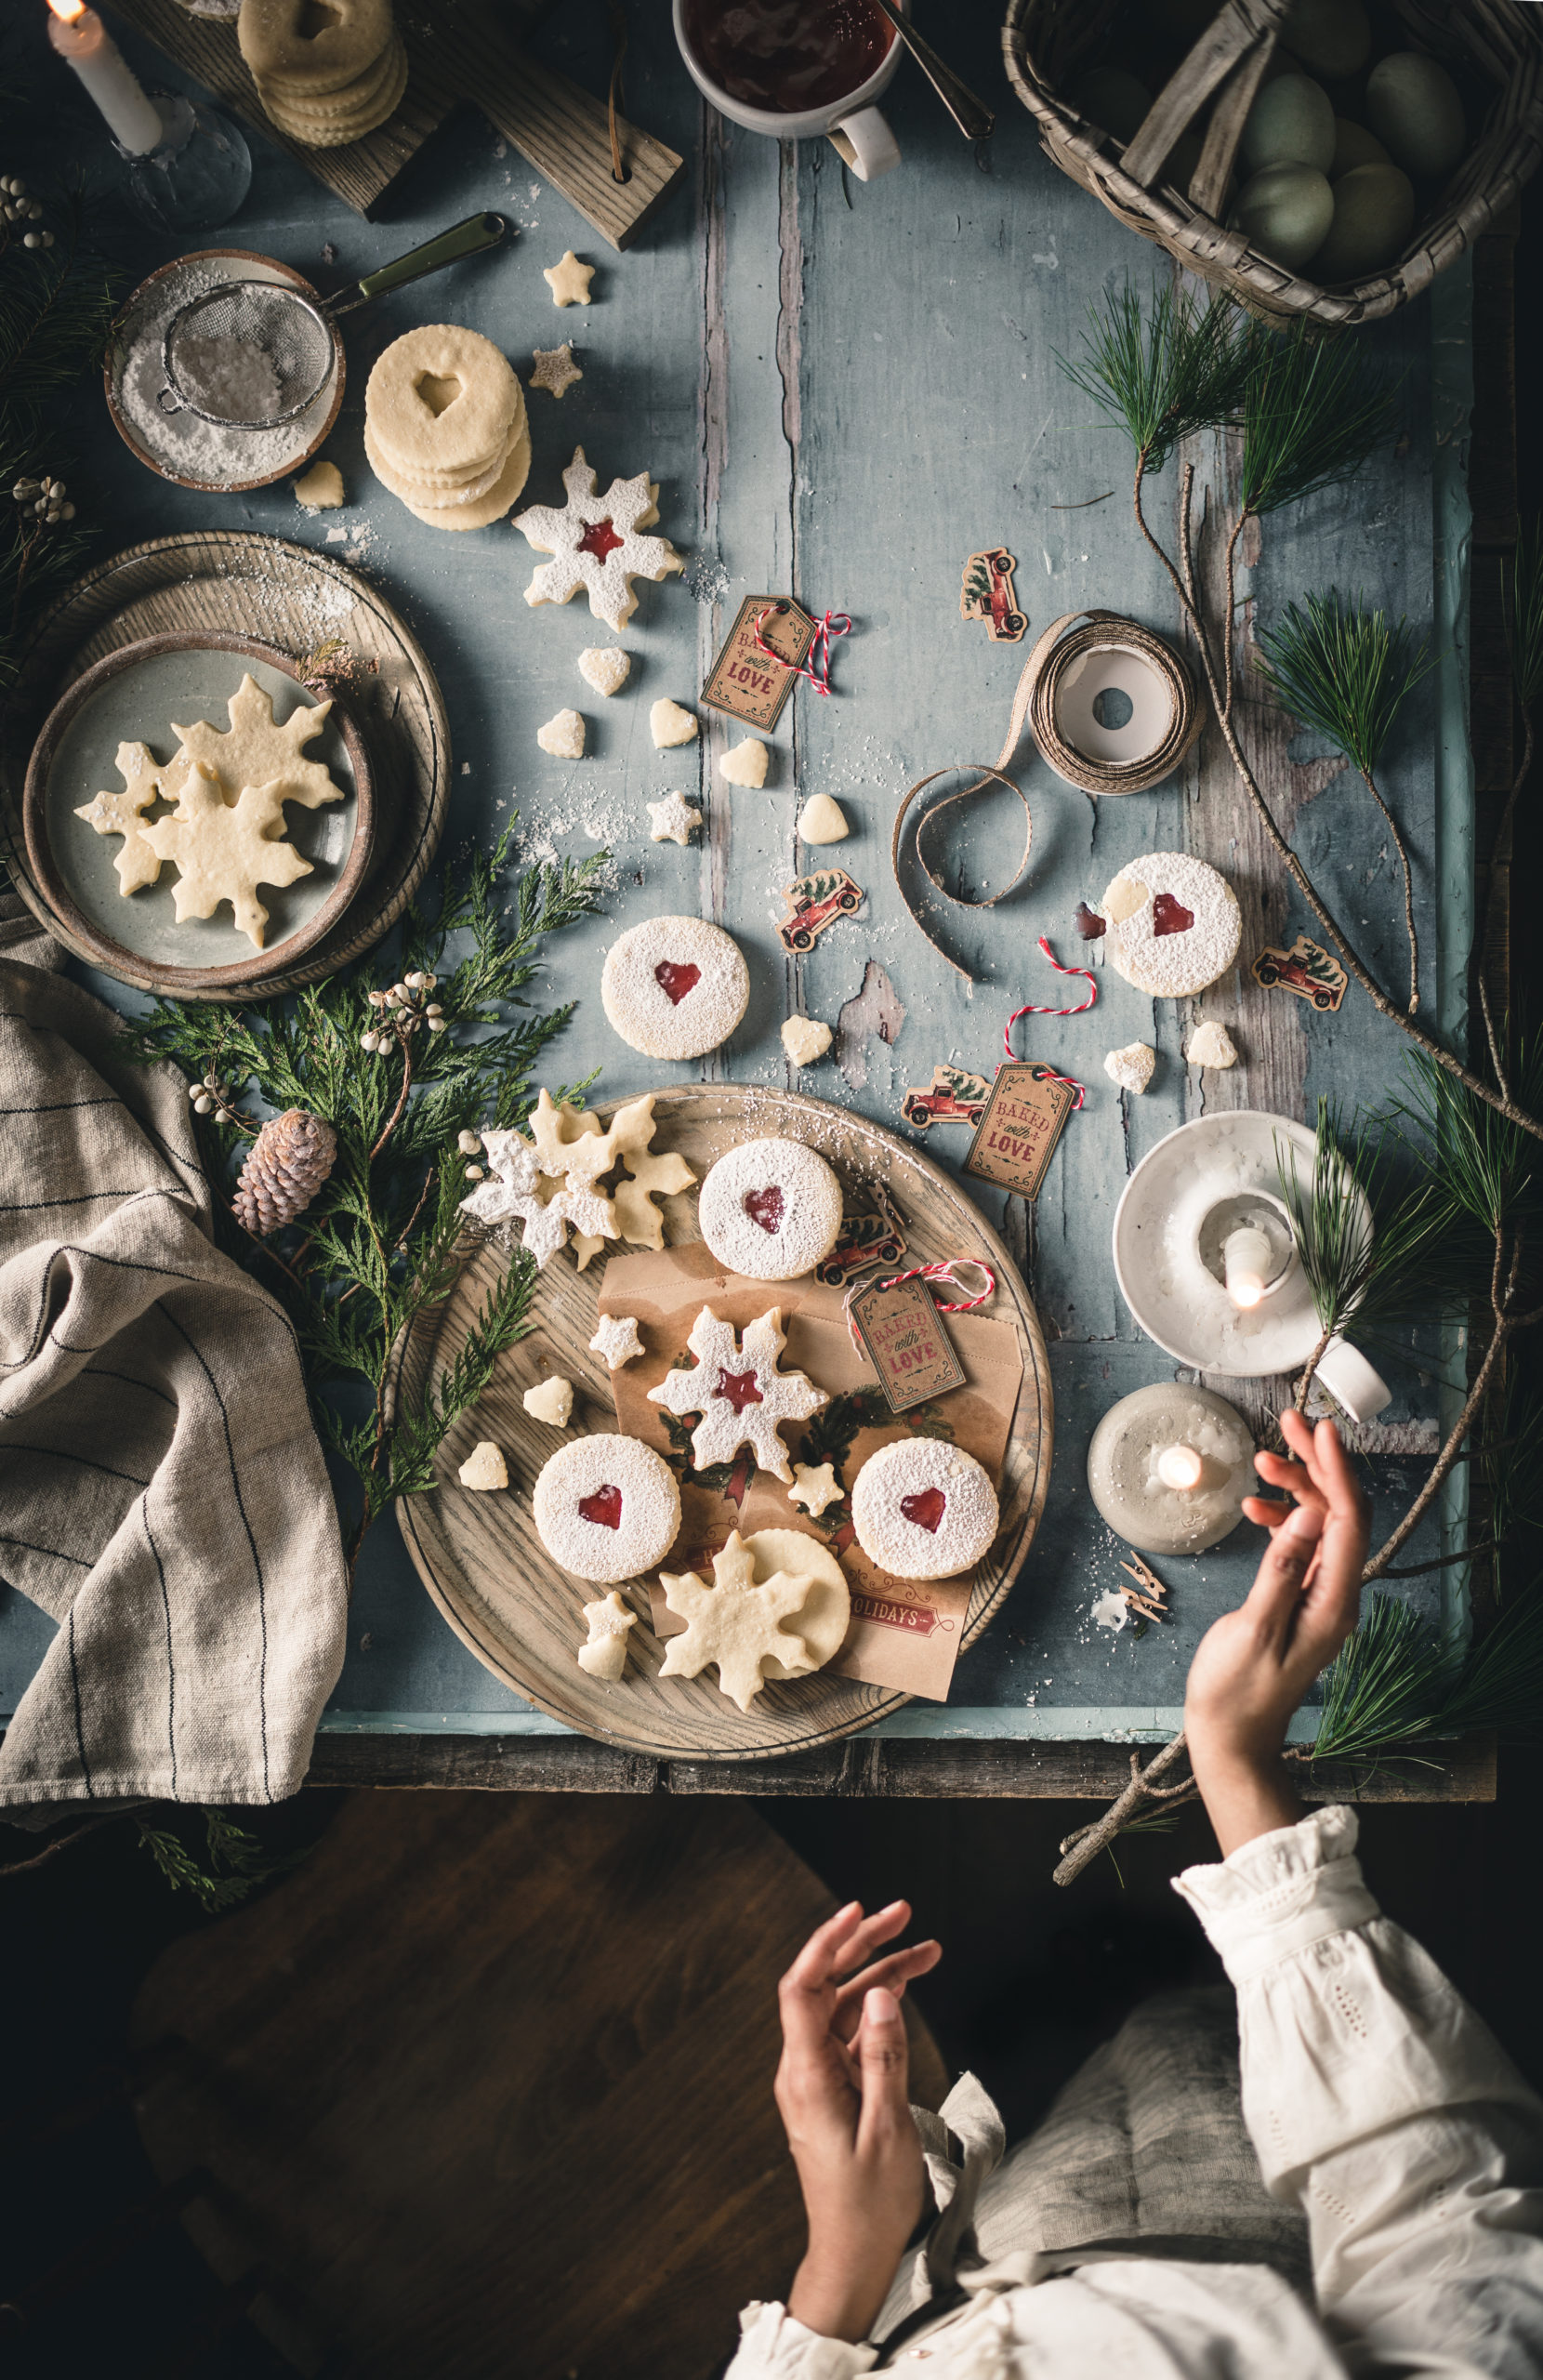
(256,749)
(1131,1068)
(224,850)
(562,736)
(605,667)
(616,1339)
(733,1625)
(321,488)
(598,543)
(670,723)
(805,1039)
(554,369)
(814,1487)
(603,1652)
(485,1467)
(674,820)
(569,280)
(145,781)
(739,1392)
(746,764)
(550,1401)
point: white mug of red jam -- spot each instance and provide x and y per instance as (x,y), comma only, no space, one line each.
(796,68)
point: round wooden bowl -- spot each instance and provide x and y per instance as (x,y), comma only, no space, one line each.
(304,453)
(116,958)
(479,1556)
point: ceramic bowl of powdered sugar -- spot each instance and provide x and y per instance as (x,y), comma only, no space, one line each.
(213,457)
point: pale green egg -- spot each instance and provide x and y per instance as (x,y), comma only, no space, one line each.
(1291,123)
(1374,212)
(1112,98)
(1412,105)
(1331,38)
(1354,145)
(1284,212)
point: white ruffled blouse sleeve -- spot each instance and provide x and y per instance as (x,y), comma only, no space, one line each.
(1380,2105)
(772,2345)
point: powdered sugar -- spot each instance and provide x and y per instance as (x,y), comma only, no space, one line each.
(646,1524)
(771,1210)
(907,1470)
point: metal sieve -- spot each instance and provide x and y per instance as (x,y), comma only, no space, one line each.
(253,354)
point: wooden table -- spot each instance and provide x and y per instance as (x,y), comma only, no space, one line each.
(843,392)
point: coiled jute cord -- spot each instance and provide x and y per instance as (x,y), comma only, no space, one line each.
(1037,702)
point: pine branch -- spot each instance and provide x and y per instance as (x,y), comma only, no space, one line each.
(1164,369)
(1314,411)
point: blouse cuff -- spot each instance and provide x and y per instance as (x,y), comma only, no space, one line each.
(1279,1893)
(772,2342)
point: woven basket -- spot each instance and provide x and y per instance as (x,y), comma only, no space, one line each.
(1498,42)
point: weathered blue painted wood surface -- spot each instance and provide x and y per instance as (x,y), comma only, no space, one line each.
(843,392)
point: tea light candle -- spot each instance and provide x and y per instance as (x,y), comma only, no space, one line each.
(1169,1466)
(1247,1263)
(79,37)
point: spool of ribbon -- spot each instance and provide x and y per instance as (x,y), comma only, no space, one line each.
(816,668)
(1059,692)
(946,1270)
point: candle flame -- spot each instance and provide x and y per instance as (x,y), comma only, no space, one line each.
(68,11)
(1246,1289)
(1179,1468)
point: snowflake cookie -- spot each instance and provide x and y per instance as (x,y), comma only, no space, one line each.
(516,1191)
(145,781)
(597,543)
(733,1625)
(674,819)
(260,749)
(224,850)
(616,1339)
(603,1653)
(739,1392)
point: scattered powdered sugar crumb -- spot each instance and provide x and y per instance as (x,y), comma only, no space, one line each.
(1111,1612)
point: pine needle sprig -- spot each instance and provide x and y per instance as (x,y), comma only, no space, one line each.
(1164,369)
(1399,1679)
(382,1241)
(237,1863)
(1313,410)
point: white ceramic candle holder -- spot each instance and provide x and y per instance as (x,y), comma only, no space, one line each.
(1168,1468)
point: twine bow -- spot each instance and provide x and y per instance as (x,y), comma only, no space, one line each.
(835,624)
(946,1270)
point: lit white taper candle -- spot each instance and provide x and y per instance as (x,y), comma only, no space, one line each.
(1248,1259)
(82,41)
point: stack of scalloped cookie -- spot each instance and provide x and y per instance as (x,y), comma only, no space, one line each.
(446,428)
(325,76)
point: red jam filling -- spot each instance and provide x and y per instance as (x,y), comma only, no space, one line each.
(599,539)
(675,982)
(740,1389)
(927,1510)
(765,1207)
(604,1508)
(1088,923)
(1169,916)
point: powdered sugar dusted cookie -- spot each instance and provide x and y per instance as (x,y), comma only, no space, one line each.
(924,1509)
(598,543)
(675,987)
(564,735)
(737,1388)
(1171,924)
(606,1508)
(616,1339)
(771,1209)
(605,667)
(1131,1068)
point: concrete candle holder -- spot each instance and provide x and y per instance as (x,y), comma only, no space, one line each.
(1168,1468)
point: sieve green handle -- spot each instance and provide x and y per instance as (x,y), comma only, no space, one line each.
(467,238)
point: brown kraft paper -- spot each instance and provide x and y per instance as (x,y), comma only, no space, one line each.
(906,1632)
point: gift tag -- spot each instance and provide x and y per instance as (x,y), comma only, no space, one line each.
(1016,1137)
(904,1339)
(744,681)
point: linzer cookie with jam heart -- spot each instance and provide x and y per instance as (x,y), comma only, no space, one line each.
(770,1208)
(1170,924)
(606,1507)
(924,1509)
(675,987)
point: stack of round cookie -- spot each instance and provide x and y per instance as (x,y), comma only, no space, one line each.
(325,76)
(445,429)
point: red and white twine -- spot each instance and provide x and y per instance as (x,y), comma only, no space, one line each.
(835,624)
(947,1271)
(1042,1008)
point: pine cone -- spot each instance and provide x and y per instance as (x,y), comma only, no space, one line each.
(286,1167)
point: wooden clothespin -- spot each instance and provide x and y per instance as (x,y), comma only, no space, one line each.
(1146,1596)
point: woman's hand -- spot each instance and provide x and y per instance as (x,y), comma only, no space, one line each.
(1255,1664)
(841,2094)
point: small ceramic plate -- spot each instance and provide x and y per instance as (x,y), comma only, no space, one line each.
(133,696)
(192,453)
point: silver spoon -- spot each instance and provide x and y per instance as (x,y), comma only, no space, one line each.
(974,119)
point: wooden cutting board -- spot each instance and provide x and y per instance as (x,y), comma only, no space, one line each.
(457,49)
(478,1554)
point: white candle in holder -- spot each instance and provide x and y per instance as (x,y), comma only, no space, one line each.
(1249,1262)
(1168,1468)
(1181,1469)
(79,36)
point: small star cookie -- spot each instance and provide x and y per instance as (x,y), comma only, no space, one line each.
(603,1653)
(739,1392)
(616,1339)
(569,281)
(123,813)
(675,819)
(224,850)
(555,369)
(814,1488)
(733,1625)
(597,543)
(567,1140)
